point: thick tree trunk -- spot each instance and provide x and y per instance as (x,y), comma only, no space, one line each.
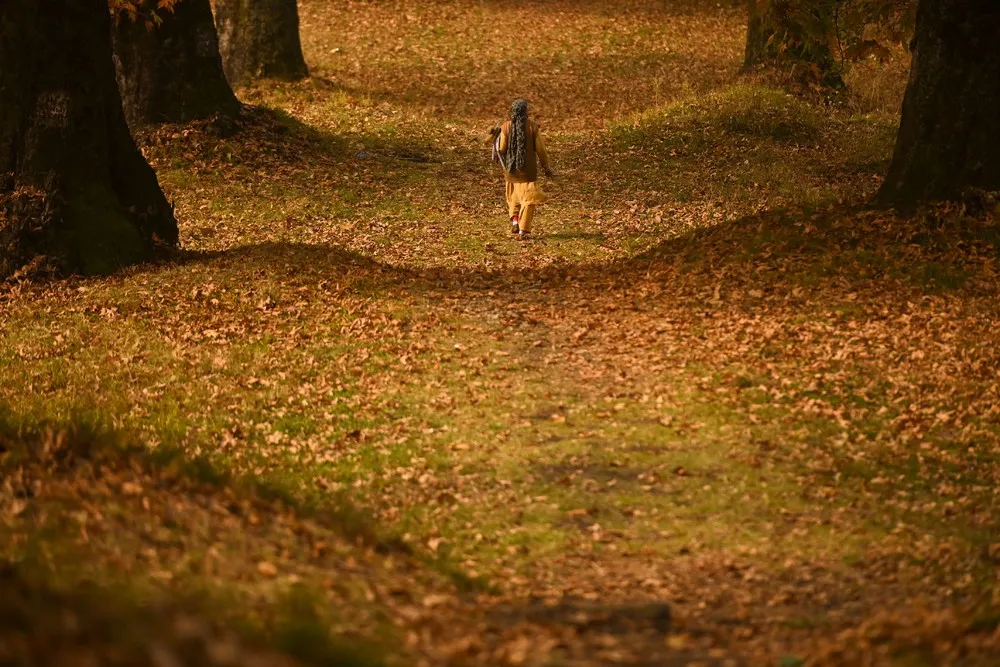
(73,186)
(172,73)
(792,31)
(260,39)
(949,134)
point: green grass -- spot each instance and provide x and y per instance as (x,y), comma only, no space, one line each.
(748,141)
(705,357)
(744,109)
(114,619)
(60,575)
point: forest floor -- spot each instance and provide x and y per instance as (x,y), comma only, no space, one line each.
(715,413)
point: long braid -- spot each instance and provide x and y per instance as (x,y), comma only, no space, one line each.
(517,150)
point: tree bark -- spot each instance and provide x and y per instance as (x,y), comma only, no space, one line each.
(794,31)
(73,186)
(758,35)
(949,134)
(260,39)
(172,73)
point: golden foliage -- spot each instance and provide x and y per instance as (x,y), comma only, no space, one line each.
(150,12)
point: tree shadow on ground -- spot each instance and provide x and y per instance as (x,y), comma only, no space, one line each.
(775,252)
(258,137)
(264,140)
(99,625)
(842,248)
(50,608)
(641,626)
(298,263)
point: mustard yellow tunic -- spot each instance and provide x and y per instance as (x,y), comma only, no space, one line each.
(520,195)
(523,194)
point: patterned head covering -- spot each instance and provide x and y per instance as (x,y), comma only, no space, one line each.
(517,153)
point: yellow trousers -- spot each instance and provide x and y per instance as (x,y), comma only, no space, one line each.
(525,216)
(521,201)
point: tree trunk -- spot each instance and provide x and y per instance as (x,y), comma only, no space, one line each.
(796,31)
(260,39)
(756,51)
(949,134)
(172,73)
(73,186)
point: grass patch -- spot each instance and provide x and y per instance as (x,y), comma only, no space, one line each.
(362,405)
(55,613)
(746,109)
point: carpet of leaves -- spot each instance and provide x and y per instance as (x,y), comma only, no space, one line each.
(714,414)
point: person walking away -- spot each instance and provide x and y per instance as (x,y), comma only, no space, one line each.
(519,148)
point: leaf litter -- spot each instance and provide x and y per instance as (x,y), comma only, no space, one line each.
(714,415)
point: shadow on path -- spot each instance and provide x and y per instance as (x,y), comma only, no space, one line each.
(770,252)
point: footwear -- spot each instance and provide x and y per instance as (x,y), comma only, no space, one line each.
(524,236)
(515,226)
